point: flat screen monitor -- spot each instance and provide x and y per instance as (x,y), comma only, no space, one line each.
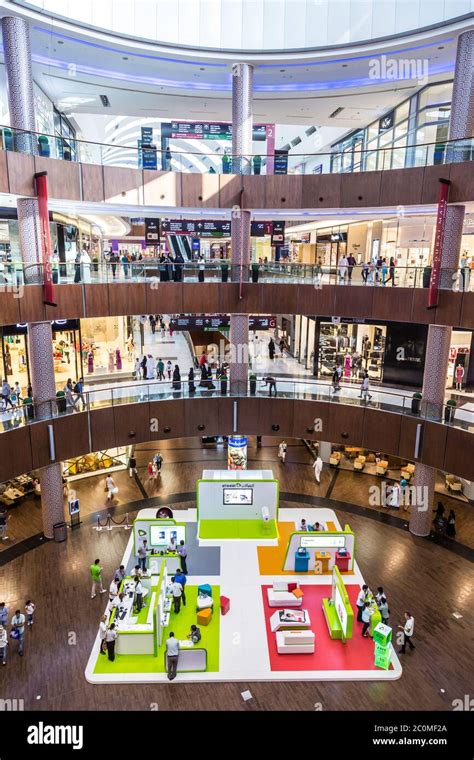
(322,542)
(161,535)
(235,496)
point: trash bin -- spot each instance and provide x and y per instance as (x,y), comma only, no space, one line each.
(60,531)
(301,561)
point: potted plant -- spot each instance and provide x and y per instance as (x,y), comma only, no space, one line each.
(416,403)
(449,410)
(253,384)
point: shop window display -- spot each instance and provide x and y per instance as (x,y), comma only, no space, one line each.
(356,348)
(105,347)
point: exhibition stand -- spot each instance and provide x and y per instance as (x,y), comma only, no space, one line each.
(240,504)
(159,533)
(320,551)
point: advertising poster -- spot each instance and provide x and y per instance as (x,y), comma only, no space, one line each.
(237,453)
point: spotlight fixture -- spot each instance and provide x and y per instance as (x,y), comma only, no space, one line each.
(167,429)
(201,427)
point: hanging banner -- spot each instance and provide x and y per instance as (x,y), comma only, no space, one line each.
(45,238)
(438,243)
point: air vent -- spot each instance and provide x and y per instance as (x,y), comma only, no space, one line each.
(296,141)
(336,112)
(105,101)
(310,131)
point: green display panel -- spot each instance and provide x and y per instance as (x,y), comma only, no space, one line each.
(382,634)
(382,656)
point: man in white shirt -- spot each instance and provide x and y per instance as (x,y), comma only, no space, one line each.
(142,554)
(408,630)
(18,624)
(282,451)
(360,603)
(103,633)
(113,588)
(177,592)
(172,655)
(110,637)
(183,553)
(317,467)
(138,593)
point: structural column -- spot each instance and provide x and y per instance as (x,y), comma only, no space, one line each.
(422,500)
(461,123)
(242,124)
(242,120)
(17,51)
(450,278)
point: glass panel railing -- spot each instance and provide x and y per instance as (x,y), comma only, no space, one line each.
(204,162)
(14,276)
(264,386)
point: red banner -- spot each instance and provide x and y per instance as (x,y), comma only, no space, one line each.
(438,243)
(46,253)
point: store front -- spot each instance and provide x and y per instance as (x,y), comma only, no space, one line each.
(106,347)
(389,352)
(331,245)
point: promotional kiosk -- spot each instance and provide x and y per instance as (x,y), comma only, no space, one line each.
(242,504)
(337,610)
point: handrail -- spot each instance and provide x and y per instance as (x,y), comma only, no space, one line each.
(311,390)
(14,275)
(446,151)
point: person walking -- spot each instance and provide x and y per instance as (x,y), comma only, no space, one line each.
(96,575)
(336,377)
(360,602)
(181,578)
(143,366)
(176,592)
(364,388)
(79,391)
(132,465)
(383,609)
(176,378)
(150,367)
(451,524)
(111,488)
(160,369)
(29,611)
(172,656)
(317,467)
(365,615)
(138,369)
(103,634)
(110,638)
(183,553)
(3,644)
(351,262)
(191,383)
(169,369)
(365,272)
(142,555)
(6,394)
(271,349)
(282,451)
(68,391)
(408,629)
(18,630)
(343,267)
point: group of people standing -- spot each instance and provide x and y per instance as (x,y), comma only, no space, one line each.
(18,622)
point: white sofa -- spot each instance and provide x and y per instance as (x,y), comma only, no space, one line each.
(295,642)
(279,596)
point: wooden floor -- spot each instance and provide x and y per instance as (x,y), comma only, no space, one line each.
(417,575)
(184,460)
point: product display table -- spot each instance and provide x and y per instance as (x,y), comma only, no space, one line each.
(323,559)
(343,562)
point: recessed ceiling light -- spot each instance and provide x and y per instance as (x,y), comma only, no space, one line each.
(441,47)
(282,70)
(60,42)
(125,58)
(345,65)
(201,68)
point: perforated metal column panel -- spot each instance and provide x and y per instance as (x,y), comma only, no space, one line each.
(242,120)
(422,496)
(52,498)
(29,233)
(436,369)
(449,278)
(462,104)
(17,53)
(239,364)
(240,232)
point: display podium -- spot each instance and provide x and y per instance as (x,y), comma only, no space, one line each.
(382,645)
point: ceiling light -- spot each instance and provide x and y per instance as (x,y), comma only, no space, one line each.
(282,71)
(60,42)
(125,58)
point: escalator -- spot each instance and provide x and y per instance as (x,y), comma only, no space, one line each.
(180,246)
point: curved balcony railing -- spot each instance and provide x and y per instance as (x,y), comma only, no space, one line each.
(31,412)
(207,162)
(15,275)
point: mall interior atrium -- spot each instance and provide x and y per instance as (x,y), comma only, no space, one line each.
(237,367)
